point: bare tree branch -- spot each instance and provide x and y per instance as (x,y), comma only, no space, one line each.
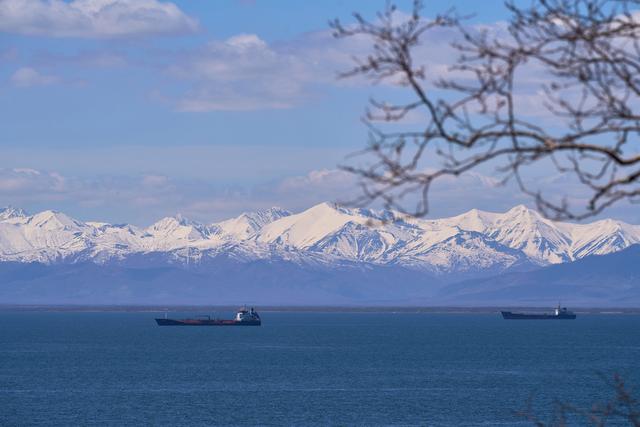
(585,55)
(621,408)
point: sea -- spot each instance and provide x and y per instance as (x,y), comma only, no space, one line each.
(311,368)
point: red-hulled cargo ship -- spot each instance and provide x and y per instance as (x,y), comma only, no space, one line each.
(243,317)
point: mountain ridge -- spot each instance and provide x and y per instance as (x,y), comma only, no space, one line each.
(475,241)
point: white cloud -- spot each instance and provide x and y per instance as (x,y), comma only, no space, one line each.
(19,181)
(244,72)
(27,171)
(28,77)
(241,73)
(93,18)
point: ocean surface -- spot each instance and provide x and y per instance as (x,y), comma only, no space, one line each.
(77,368)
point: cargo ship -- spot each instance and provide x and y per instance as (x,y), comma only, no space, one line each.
(559,313)
(243,317)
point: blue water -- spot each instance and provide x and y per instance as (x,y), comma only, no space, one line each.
(306,369)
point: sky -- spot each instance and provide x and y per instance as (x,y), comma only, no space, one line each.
(132,110)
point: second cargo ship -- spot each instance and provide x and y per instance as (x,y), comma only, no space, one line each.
(559,313)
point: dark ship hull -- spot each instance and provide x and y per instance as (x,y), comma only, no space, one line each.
(207,322)
(530,316)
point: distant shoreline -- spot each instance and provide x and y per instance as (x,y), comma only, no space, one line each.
(293,308)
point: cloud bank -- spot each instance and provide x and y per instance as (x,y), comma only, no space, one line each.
(244,72)
(142,198)
(28,77)
(93,18)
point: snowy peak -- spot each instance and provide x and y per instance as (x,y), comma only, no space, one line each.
(11,212)
(474,220)
(522,216)
(44,237)
(178,227)
(525,229)
(249,223)
(55,221)
(263,217)
(603,237)
(168,224)
(309,227)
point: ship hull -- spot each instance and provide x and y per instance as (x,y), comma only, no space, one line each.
(526,316)
(206,322)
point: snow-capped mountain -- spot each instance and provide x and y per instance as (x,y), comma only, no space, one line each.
(11,212)
(545,241)
(325,234)
(248,224)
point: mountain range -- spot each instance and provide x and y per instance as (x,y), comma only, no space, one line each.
(327,254)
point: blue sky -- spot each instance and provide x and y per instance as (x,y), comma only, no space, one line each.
(127,111)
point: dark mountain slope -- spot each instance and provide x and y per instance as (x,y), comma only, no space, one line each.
(611,280)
